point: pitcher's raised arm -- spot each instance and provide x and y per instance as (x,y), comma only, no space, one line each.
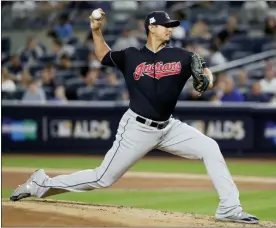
(101,48)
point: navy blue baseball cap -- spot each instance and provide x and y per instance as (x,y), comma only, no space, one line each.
(160,18)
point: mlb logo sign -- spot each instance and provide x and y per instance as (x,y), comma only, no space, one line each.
(61,128)
(19,130)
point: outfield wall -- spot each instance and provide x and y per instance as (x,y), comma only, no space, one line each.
(89,127)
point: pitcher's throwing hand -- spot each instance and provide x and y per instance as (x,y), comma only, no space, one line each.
(95,23)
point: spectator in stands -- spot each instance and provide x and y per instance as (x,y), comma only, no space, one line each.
(204,4)
(15,67)
(221,76)
(25,79)
(184,22)
(7,84)
(87,90)
(215,57)
(180,32)
(33,51)
(47,81)
(243,83)
(172,5)
(255,11)
(125,40)
(268,83)
(230,30)
(201,50)
(104,5)
(153,5)
(256,94)
(59,94)
(225,90)
(113,89)
(51,70)
(34,93)
(63,29)
(189,46)
(79,5)
(93,61)
(270,26)
(50,5)
(200,30)
(59,49)
(139,32)
(20,9)
(125,5)
(91,77)
(112,81)
(125,95)
(198,48)
(230,93)
(65,62)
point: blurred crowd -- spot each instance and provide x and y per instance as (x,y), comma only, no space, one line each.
(239,87)
(69,70)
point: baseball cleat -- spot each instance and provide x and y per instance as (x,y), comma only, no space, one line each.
(24,190)
(241,217)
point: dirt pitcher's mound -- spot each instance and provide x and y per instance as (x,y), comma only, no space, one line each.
(64,213)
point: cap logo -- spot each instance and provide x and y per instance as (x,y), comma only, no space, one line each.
(167,16)
(152,20)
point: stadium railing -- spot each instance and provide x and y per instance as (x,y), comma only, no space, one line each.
(244,61)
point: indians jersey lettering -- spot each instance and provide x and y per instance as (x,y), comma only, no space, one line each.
(157,70)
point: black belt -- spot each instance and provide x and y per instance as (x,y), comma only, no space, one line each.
(153,124)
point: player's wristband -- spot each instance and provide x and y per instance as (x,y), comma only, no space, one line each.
(204,65)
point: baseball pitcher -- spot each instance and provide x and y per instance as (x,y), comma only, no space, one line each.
(155,74)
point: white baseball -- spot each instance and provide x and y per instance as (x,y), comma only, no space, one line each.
(96,14)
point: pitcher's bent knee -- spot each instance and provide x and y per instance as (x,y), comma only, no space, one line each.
(106,176)
(105,182)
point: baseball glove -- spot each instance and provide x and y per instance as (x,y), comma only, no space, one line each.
(200,80)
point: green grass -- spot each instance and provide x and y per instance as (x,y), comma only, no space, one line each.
(261,203)
(169,166)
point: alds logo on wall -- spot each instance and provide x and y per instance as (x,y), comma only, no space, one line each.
(81,129)
(158,70)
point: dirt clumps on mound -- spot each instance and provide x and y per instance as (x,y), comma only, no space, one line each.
(64,213)
(13,216)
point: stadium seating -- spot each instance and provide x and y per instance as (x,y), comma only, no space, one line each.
(237,47)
